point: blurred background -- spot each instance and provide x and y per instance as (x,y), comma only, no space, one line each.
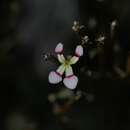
(31,28)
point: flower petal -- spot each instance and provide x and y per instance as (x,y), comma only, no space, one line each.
(54,77)
(61,69)
(59,48)
(61,58)
(73,60)
(68,71)
(79,51)
(71,82)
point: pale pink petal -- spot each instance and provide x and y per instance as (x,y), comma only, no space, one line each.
(71,82)
(79,51)
(61,69)
(73,60)
(54,77)
(61,58)
(68,71)
(59,48)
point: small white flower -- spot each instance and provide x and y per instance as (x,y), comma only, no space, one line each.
(70,80)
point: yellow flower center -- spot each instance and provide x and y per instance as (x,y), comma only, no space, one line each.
(67,62)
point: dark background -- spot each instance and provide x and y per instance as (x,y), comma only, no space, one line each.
(29,28)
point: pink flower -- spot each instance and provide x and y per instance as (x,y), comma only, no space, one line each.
(70,80)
